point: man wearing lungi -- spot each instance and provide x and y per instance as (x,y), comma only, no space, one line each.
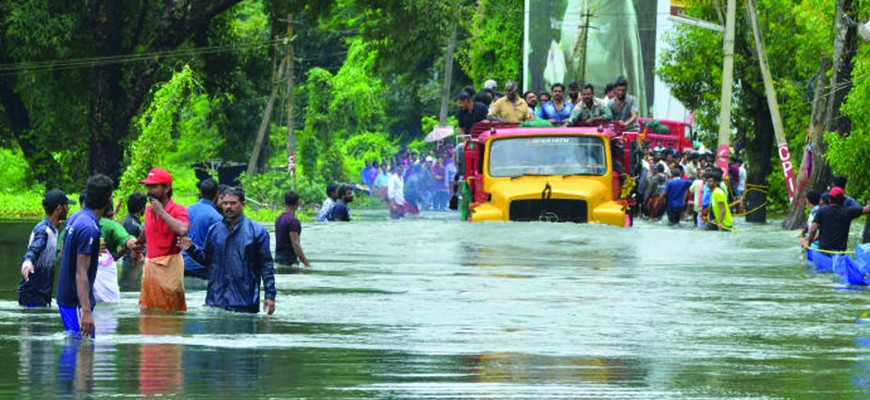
(165,222)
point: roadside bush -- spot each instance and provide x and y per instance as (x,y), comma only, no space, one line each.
(366,147)
(267,189)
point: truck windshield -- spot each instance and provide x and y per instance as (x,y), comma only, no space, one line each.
(547,155)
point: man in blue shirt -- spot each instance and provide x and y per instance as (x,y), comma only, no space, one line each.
(365,175)
(37,268)
(556,111)
(675,192)
(237,255)
(78,262)
(202,214)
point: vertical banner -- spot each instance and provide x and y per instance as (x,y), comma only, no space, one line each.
(591,42)
(787,169)
(722,154)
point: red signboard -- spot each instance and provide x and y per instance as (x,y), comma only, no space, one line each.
(787,169)
(722,157)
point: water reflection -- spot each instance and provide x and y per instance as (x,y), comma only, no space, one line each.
(227,366)
(36,353)
(423,309)
(160,364)
(512,367)
(76,367)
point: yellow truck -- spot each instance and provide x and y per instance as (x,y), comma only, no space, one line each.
(551,174)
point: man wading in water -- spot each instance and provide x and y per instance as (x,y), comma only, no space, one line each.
(165,222)
(236,254)
(37,269)
(78,263)
(834,222)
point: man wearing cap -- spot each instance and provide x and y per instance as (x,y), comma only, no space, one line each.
(491,85)
(165,222)
(834,222)
(37,268)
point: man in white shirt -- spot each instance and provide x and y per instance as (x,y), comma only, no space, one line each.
(326,209)
(396,193)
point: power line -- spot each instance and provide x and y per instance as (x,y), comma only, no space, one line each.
(74,63)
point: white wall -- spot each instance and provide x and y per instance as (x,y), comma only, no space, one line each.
(665,105)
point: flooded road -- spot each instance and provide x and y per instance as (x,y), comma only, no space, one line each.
(441,309)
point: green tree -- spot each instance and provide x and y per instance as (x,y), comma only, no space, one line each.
(156,125)
(100,59)
(850,155)
(495,48)
(692,69)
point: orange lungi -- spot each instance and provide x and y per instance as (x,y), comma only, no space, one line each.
(163,283)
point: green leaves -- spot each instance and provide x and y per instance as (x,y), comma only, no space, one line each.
(850,155)
(156,125)
(495,49)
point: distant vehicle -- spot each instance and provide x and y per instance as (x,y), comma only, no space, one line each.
(558,174)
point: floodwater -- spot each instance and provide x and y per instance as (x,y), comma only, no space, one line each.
(436,308)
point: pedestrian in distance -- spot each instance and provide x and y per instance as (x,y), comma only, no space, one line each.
(340,211)
(38,265)
(675,193)
(719,208)
(288,229)
(326,208)
(236,253)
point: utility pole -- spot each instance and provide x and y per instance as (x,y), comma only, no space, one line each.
(448,77)
(584,40)
(778,130)
(264,123)
(727,87)
(291,105)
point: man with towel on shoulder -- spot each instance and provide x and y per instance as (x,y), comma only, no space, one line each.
(165,222)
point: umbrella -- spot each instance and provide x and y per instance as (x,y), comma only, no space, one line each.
(439,133)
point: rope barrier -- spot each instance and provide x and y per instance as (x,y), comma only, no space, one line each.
(750,188)
(833,252)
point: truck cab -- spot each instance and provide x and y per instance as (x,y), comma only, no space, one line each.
(551,174)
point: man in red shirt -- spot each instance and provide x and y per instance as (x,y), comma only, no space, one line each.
(165,222)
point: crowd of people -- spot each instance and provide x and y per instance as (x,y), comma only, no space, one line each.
(211,241)
(581,107)
(689,186)
(411,181)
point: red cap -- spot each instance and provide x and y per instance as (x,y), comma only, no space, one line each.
(836,192)
(157,176)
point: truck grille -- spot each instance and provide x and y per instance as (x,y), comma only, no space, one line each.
(558,210)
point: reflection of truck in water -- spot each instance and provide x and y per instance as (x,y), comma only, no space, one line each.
(554,174)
